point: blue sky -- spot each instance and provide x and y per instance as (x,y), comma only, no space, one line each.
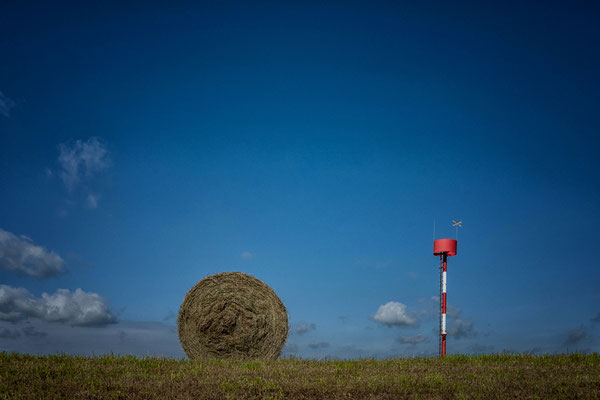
(144,147)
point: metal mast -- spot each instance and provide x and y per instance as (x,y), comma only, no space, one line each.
(443,248)
(440,312)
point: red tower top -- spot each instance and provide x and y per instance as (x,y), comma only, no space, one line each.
(441,246)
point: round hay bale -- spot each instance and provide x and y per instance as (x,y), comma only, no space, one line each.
(232,315)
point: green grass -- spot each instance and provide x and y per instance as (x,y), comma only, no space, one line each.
(482,377)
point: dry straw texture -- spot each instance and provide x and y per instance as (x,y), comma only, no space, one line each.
(232,315)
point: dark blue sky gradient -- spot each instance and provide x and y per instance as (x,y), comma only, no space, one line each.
(324,139)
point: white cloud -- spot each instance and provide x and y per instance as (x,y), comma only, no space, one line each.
(81,160)
(246,255)
(5,105)
(76,308)
(21,255)
(394,314)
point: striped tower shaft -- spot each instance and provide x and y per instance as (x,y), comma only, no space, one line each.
(440,311)
(443,327)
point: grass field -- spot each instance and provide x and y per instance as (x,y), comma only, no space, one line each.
(483,377)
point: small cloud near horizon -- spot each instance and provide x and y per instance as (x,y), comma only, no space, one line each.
(77,308)
(301,328)
(246,255)
(458,326)
(481,348)
(412,340)
(575,336)
(289,349)
(124,338)
(6,333)
(32,331)
(533,350)
(318,345)
(394,313)
(170,315)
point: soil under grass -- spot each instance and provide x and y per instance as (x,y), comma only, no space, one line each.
(482,377)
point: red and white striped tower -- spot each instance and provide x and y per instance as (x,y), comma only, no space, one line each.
(443,248)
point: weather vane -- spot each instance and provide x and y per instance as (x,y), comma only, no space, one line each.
(457,224)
